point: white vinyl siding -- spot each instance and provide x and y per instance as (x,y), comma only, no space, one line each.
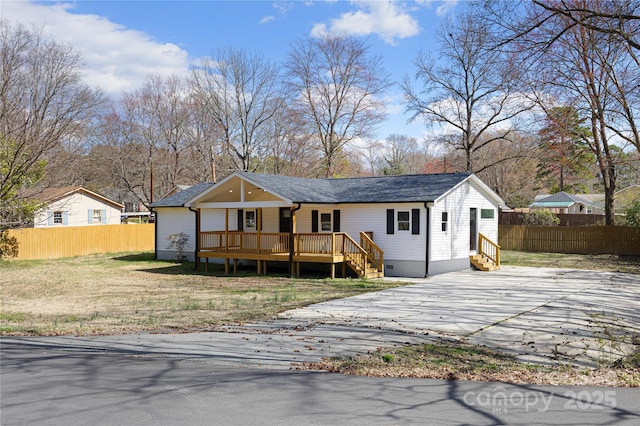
(174,221)
(454,242)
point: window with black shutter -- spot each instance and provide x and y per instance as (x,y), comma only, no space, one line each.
(415,221)
(314,220)
(390,221)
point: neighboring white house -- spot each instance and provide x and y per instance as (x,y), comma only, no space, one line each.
(424,224)
(75,206)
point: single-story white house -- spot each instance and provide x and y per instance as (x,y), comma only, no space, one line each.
(75,206)
(405,225)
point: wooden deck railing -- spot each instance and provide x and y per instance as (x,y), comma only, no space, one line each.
(278,242)
(246,242)
(489,249)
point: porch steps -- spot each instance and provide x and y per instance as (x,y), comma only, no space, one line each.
(369,271)
(483,263)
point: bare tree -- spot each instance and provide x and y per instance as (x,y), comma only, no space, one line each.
(43,105)
(532,29)
(399,152)
(469,93)
(336,86)
(241,93)
(577,55)
(619,19)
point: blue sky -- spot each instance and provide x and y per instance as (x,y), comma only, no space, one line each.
(124,41)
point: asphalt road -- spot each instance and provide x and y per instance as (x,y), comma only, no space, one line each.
(45,386)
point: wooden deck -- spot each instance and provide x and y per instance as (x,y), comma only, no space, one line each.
(336,248)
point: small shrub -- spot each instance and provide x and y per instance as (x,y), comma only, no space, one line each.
(541,218)
(387,358)
(8,245)
(179,242)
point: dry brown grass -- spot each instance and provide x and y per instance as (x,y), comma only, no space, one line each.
(457,361)
(597,262)
(122,293)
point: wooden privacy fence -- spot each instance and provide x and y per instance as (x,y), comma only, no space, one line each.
(624,240)
(54,243)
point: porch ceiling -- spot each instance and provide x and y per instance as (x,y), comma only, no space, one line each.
(238,191)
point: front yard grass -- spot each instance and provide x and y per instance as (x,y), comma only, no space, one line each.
(599,262)
(460,361)
(104,294)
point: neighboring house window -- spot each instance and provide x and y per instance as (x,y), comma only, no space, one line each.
(57,218)
(487,214)
(97,216)
(445,220)
(403,221)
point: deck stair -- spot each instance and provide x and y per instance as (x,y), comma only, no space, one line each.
(368,271)
(365,259)
(483,263)
(488,255)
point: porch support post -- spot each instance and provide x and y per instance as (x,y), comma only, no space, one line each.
(292,231)
(258,226)
(226,232)
(198,237)
(198,230)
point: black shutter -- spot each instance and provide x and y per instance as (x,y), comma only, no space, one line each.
(415,221)
(314,220)
(390,223)
(240,220)
(336,221)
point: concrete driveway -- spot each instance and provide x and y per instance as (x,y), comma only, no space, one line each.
(539,314)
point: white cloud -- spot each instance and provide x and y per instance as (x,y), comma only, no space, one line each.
(445,7)
(116,58)
(267,19)
(387,19)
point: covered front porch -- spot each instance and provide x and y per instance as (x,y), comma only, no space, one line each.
(337,249)
(237,220)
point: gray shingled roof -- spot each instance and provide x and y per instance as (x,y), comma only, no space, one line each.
(180,198)
(378,189)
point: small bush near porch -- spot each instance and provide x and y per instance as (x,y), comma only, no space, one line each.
(116,293)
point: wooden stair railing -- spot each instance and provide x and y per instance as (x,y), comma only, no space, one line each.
(357,258)
(375,255)
(488,255)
